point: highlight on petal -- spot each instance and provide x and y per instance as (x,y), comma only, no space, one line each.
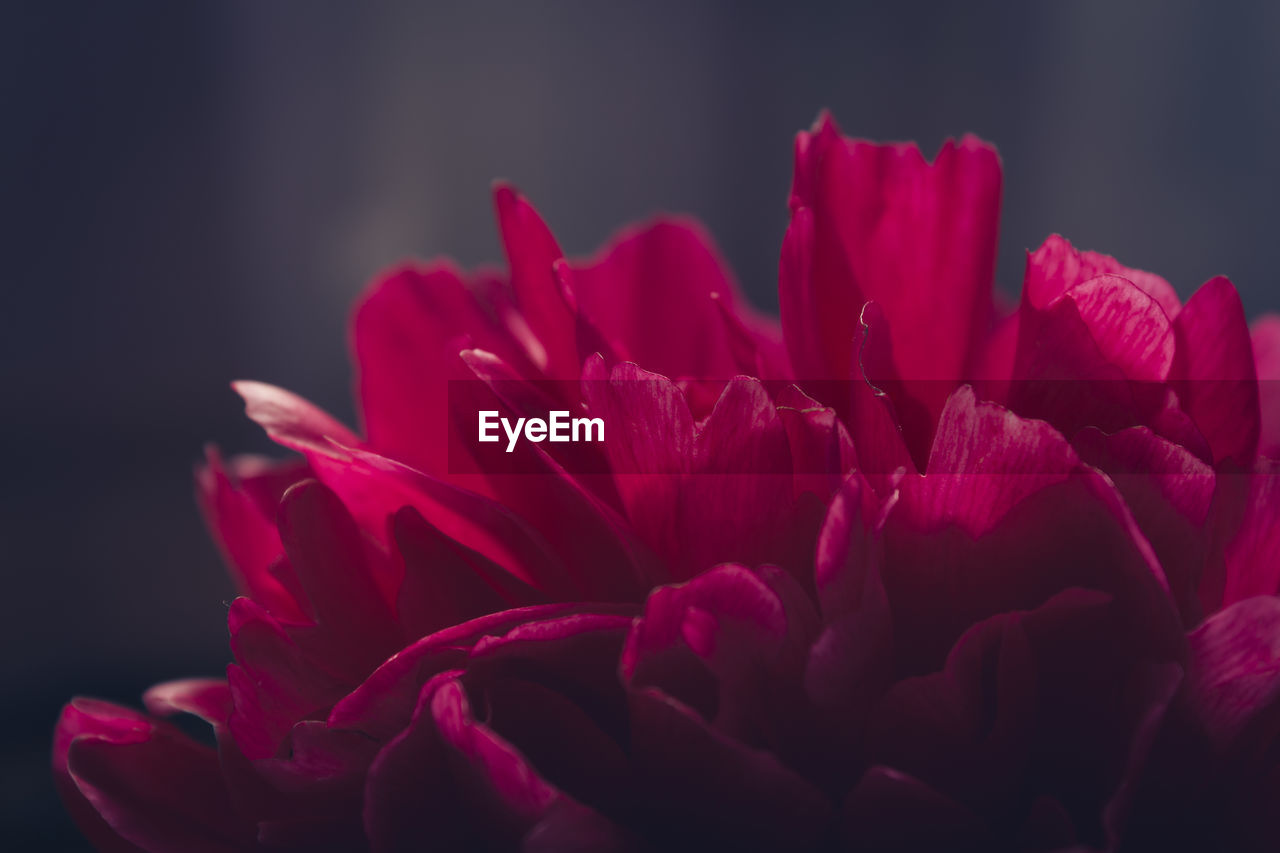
(1057,266)
(918,238)
(1214,373)
(132,782)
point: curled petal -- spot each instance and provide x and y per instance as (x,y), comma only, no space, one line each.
(134,783)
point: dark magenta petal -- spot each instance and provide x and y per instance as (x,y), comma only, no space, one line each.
(737,506)
(697,784)
(650,446)
(340,573)
(129,780)
(1265,335)
(494,776)
(274,683)
(1250,564)
(849,552)
(740,623)
(569,827)
(1170,493)
(1214,372)
(919,238)
(445,582)
(889,418)
(575,655)
(965,729)
(1073,533)
(821,450)
(238,500)
(531,252)
(1233,679)
(749,631)
(321,770)
(383,703)
(893,811)
(563,739)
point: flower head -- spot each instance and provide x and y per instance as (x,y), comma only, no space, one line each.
(902,571)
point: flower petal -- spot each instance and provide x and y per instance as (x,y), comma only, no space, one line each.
(666,274)
(130,780)
(531,252)
(1265,334)
(1214,372)
(919,238)
(705,789)
(238,500)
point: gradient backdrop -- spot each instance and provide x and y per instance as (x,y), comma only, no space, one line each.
(195,192)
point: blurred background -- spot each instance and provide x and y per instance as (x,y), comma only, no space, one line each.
(195,192)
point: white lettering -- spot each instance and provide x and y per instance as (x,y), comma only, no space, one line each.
(512,434)
(558,428)
(486,424)
(587,424)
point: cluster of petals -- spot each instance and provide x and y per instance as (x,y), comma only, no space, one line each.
(906,569)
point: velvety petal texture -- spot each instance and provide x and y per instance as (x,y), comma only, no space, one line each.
(906,570)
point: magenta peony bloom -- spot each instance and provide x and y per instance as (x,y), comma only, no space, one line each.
(906,572)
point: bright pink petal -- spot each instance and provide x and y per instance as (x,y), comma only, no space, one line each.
(531,252)
(1214,373)
(667,275)
(985,460)
(373,488)
(917,238)
(238,500)
(1057,266)
(406,334)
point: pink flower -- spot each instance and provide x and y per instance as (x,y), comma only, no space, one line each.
(910,572)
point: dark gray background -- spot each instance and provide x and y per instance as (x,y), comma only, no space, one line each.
(194,192)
